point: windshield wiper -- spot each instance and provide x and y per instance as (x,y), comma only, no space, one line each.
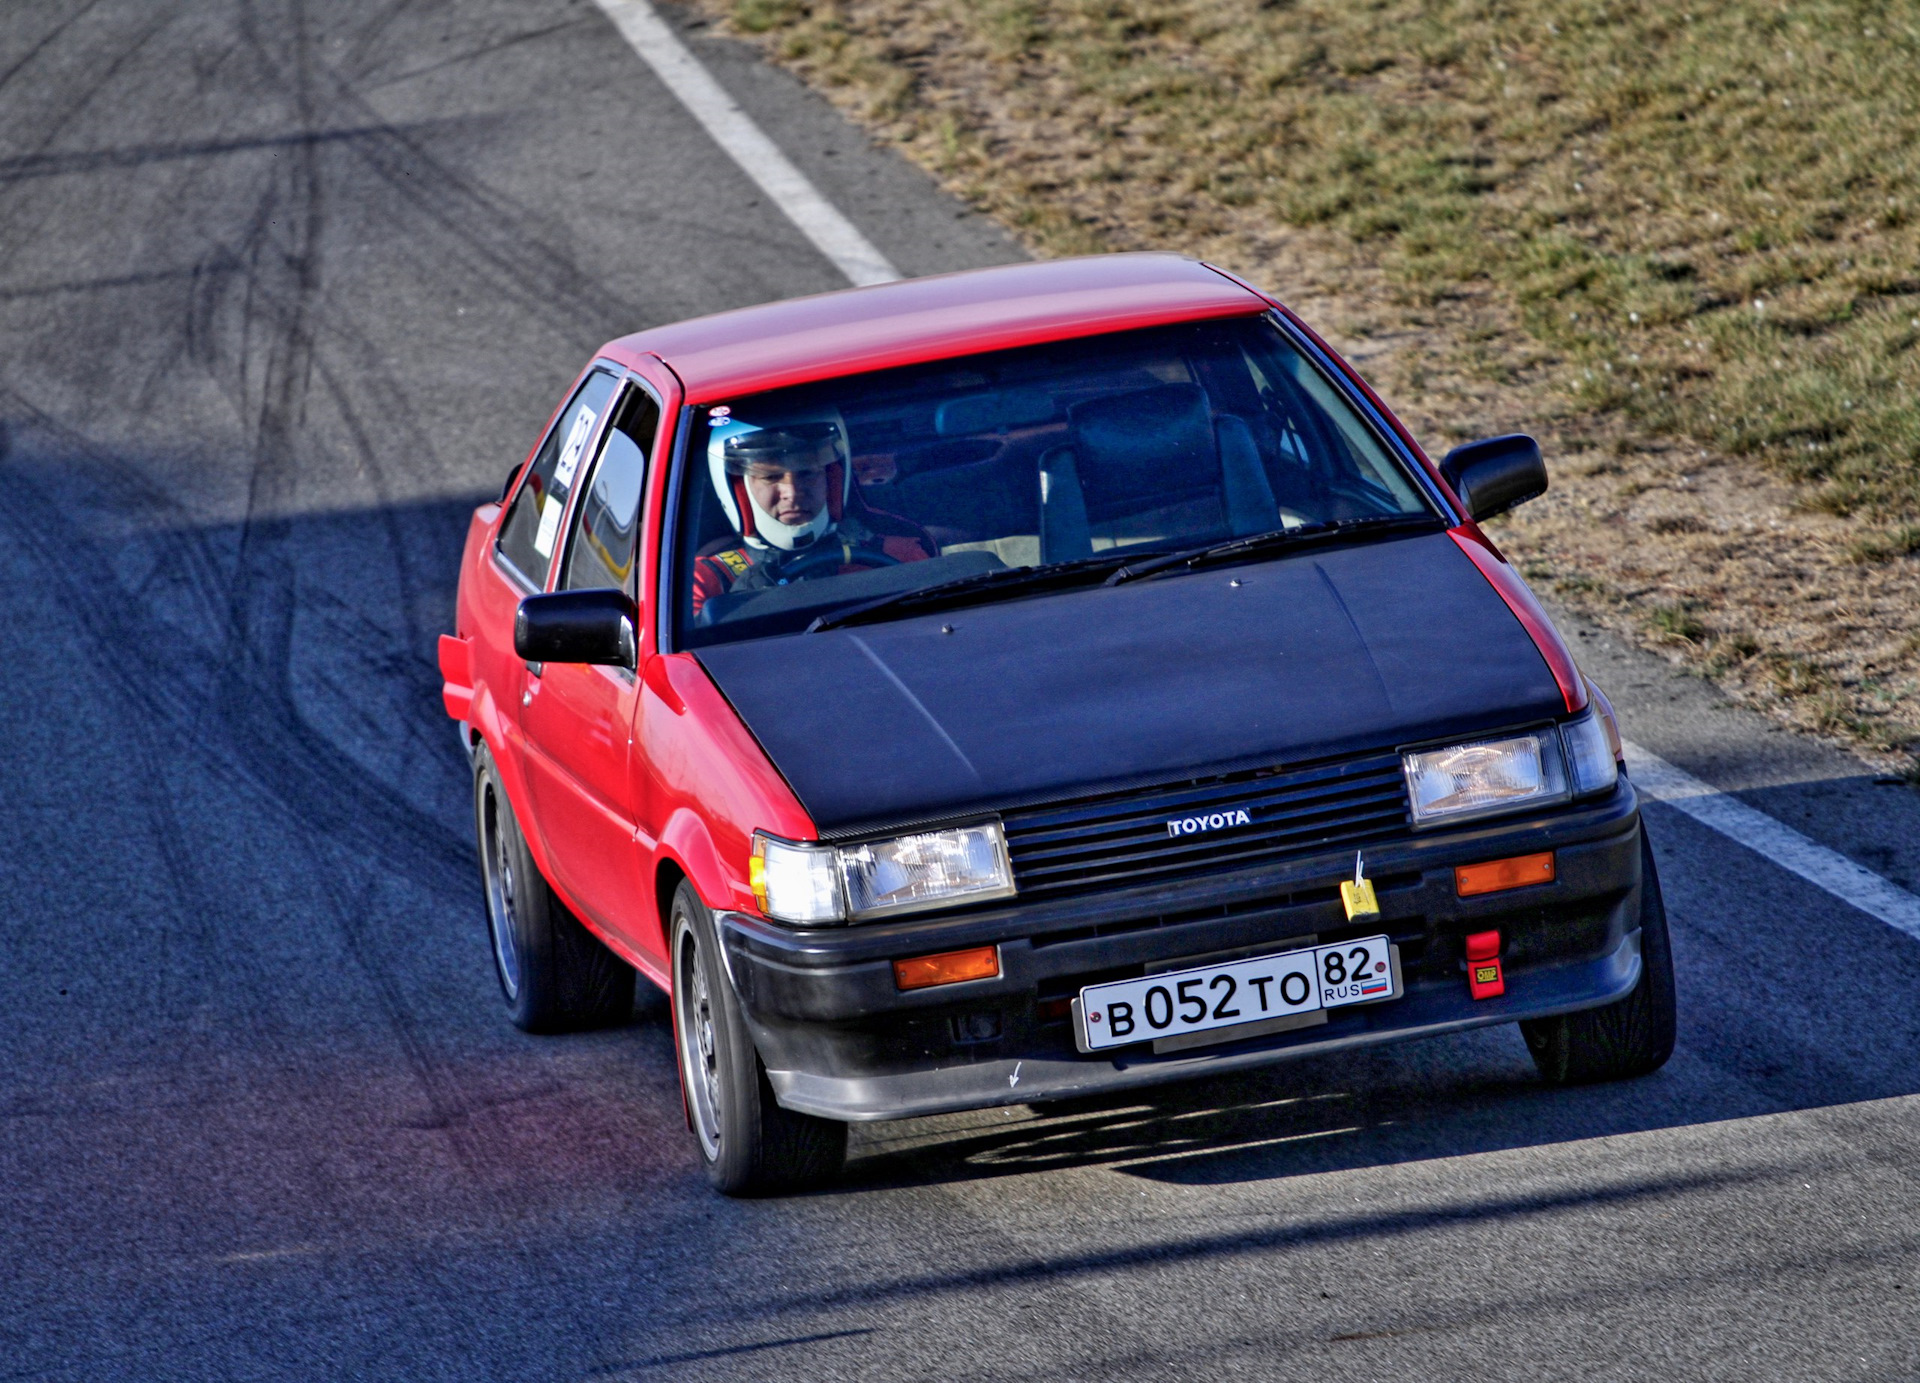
(1259,545)
(986,586)
(1110,568)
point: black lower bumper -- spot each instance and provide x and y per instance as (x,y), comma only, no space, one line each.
(840,1040)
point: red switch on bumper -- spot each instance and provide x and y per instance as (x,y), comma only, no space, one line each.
(1484,977)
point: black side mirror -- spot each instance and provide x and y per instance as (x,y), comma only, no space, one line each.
(577,627)
(1494,475)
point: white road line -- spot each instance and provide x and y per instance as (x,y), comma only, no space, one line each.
(746,144)
(1786,847)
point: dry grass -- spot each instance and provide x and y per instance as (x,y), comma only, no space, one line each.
(1680,244)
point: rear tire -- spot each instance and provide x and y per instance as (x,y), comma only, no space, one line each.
(555,975)
(749,1145)
(1632,1036)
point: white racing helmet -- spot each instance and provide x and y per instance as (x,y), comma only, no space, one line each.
(800,445)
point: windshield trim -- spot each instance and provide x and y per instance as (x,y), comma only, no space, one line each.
(664,624)
(666,629)
(1390,436)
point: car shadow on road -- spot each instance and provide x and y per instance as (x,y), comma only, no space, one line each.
(1317,1115)
(1444,1098)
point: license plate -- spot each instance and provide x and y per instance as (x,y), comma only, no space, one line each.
(1270,993)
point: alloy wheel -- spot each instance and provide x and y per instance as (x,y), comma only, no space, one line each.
(699,1057)
(500,895)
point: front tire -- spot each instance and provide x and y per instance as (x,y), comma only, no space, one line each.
(748,1144)
(555,975)
(1629,1037)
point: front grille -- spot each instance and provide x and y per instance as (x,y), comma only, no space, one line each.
(1122,837)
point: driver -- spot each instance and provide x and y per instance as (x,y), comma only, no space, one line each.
(787,489)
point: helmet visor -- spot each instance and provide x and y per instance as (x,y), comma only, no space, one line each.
(793,448)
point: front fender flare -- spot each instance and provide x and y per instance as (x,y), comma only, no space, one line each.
(687,844)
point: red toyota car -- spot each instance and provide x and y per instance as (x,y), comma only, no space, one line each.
(1029,683)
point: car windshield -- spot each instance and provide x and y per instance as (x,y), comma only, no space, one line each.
(803,502)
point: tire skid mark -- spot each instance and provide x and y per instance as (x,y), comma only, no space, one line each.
(278,287)
(102,283)
(502,239)
(322,332)
(500,242)
(28,167)
(163,690)
(121,659)
(501,233)
(497,240)
(421,671)
(261,379)
(257,666)
(23,221)
(472,54)
(122,665)
(360,50)
(47,40)
(208,63)
(264,596)
(264,302)
(217,727)
(56,123)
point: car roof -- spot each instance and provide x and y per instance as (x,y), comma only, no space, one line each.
(858,329)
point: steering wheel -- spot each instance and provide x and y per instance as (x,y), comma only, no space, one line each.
(831,556)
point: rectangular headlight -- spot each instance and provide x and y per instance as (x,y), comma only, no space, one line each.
(1485,778)
(928,870)
(795,883)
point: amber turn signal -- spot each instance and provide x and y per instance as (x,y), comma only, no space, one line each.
(1494,875)
(949,967)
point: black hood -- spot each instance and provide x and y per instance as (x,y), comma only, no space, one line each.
(1331,651)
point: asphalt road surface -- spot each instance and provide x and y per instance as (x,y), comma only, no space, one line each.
(284,290)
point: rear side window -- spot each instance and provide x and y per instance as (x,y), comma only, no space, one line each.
(606,525)
(532,529)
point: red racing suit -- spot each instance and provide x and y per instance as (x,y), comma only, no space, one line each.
(747,568)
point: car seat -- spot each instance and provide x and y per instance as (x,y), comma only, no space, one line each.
(1145,450)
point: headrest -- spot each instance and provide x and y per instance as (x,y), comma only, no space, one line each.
(1144,449)
(997,412)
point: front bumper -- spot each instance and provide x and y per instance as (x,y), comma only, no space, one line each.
(840,1040)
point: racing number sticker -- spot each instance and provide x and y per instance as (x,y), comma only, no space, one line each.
(571,452)
(555,500)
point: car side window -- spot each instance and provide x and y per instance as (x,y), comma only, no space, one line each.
(528,537)
(606,522)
